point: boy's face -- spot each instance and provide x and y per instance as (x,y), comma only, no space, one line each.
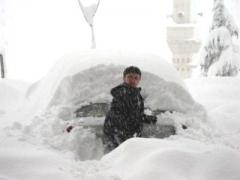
(132,79)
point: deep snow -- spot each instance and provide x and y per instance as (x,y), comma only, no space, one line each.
(87,79)
(207,150)
(198,155)
(12,93)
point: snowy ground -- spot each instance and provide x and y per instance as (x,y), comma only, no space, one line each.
(210,150)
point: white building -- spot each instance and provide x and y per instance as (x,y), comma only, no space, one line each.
(181,37)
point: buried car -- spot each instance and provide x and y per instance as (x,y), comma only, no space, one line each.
(77,93)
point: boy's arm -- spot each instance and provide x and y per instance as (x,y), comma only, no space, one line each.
(149,119)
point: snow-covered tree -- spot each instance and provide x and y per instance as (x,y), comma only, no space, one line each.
(220,54)
(89,9)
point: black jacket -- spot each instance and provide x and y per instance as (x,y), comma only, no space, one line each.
(126,116)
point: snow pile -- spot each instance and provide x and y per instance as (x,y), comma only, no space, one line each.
(93,86)
(82,142)
(208,152)
(68,88)
(220,96)
(11,95)
(20,160)
(74,63)
(173,159)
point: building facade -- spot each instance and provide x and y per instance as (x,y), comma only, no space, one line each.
(181,37)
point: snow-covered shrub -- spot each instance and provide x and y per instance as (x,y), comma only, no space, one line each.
(220,55)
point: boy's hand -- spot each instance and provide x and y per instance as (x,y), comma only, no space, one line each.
(150,119)
(153,119)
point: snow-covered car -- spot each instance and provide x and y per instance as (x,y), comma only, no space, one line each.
(77,92)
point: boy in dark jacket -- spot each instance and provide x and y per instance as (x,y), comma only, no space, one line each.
(126,116)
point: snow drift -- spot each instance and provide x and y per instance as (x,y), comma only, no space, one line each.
(87,78)
(179,159)
(205,151)
(11,95)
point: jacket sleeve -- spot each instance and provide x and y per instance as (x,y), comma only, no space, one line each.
(149,119)
(122,102)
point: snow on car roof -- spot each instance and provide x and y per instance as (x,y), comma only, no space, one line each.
(65,83)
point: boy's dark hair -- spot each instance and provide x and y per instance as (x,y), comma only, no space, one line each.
(132,69)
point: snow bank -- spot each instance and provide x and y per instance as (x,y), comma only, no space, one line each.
(87,79)
(11,94)
(220,96)
(82,142)
(176,159)
(208,151)
(94,84)
(74,63)
(20,160)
